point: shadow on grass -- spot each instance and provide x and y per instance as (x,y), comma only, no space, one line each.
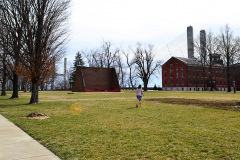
(132,108)
(13,105)
(222,105)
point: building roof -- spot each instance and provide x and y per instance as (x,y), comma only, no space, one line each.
(196,62)
(235,65)
(189,61)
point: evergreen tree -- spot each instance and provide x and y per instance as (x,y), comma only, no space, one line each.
(155,87)
(77,62)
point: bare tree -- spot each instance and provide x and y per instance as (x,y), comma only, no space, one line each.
(212,49)
(3,72)
(130,64)
(145,64)
(109,54)
(38,30)
(105,56)
(207,47)
(121,73)
(229,47)
(12,33)
(8,72)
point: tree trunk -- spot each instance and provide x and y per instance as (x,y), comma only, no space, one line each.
(204,78)
(15,87)
(228,79)
(4,80)
(145,84)
(4,87)
(130,77)
(34,96)
(228,72)
(42,86)
(25,84)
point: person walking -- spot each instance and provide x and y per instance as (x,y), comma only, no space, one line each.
(139,93)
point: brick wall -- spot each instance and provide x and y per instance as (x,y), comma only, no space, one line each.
(95,79)
(177,75)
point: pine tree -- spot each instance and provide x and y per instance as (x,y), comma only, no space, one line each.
(77,62)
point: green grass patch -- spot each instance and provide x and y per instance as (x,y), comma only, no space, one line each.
(109,125)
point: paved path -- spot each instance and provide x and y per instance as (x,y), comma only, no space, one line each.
(17,145)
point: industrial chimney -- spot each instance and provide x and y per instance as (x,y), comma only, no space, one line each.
(190,42)
(203,45)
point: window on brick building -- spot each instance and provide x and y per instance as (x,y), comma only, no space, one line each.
(220,82)
(177,82)
(176,62)
(197,73)
(182,82)
(181,67)
(171,67)
(165,82)
(165,75)
(182,74)
(171,82)
(176,67)
(177,74)
(171,75)
(166,69)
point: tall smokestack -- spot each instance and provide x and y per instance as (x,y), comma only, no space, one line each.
(190,42)
(203,44)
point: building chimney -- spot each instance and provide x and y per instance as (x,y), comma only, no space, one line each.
(190,42)
(203,45)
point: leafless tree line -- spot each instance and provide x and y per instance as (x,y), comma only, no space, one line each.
(136,62)
(32,37)
(225,44)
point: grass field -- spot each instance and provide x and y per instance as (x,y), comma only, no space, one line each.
(170,125)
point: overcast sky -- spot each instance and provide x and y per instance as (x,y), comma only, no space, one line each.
(157,22)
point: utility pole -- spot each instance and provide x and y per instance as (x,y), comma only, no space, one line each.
(65,73)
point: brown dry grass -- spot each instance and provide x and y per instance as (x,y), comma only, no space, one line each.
(214,104)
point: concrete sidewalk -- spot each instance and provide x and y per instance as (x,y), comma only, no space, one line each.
(16,144)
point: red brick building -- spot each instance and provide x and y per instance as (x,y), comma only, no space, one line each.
(186,74)
(235,71)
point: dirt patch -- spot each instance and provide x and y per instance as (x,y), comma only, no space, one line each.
(223,105)
(36,115)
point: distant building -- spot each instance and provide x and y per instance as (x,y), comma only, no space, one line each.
(187,74)
(235,71)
